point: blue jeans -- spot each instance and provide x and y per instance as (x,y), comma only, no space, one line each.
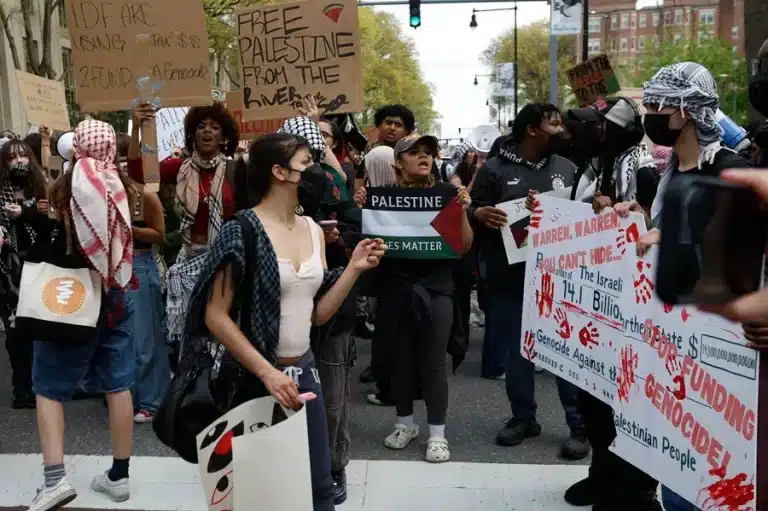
(674,502)
(107,365)
(153,371)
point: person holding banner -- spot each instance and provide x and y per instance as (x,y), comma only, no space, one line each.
(415,309)
(527,160)
(293,291)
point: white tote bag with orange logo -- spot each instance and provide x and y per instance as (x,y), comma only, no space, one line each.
(58,304)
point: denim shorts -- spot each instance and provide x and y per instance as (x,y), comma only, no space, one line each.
(108,364)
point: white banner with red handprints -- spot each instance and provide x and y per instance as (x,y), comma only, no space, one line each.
(683,384)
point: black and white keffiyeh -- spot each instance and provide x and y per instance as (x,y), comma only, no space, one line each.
(306,128)
(624,175)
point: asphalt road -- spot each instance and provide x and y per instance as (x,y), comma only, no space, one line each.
(477,410)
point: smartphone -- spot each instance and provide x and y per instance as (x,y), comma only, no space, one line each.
(328,225)
(713,241)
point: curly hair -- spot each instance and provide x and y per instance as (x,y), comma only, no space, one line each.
(37,179)
(218,112)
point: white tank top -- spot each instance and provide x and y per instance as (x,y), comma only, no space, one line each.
(297,298)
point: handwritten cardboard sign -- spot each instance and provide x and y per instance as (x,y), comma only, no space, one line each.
(250,129)
(593,79)
(293,50)
(44,101)
(103,37)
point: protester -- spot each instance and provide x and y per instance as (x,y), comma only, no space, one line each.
(293,290)
(462,166)
(335,140)
(379,162)
(621,170)
(415,304)
(95,205)
(527,160)
(393,122)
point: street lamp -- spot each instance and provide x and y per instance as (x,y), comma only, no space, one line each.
(473,21)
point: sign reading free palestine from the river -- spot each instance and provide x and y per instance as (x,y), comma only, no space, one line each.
(683,384)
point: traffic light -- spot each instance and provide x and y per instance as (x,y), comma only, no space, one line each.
(415,8)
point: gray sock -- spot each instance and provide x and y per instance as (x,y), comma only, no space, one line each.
(53,474)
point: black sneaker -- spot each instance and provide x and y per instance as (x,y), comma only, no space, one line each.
(581,493)
(24,401)
(367,375)
(339,487)
(576,447)
(516,431)
(628,501)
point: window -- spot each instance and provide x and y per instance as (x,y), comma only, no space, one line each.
(69,76)
(625,20)
(594,46)
(643,20)
(655,16)
(595,25)
(27,57)
(735,31)
(624,44)
(613,44)
(631,43)
(678,37)
(706,17)
(678,16)
(634,20)
(668,15)
(641,43)
(613,21)
(62,15)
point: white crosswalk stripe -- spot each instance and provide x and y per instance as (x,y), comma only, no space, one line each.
(165,484)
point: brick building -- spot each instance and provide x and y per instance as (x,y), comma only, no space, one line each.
(625,33)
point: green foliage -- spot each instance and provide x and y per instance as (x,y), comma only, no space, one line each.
(118,120)
(533,62)
(719,56)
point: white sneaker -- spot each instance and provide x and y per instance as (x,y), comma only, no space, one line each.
(401,437)
(119,491)
(53,497)
(143,417)
(437,450)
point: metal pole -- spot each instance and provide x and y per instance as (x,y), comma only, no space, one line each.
(553,69)
(585,31)
(515,112)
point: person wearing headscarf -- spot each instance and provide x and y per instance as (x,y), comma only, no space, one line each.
(462,166)
(207,192)
(681,101)
(23,218)
(379,163)
(94,207)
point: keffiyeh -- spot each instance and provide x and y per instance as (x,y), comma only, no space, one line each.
(624,176)
(188,193)
(100,212)
(306,128)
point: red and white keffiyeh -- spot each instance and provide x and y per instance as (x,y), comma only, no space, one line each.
(100,211)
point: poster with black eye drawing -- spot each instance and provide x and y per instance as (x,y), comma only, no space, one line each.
(238,438)
(566,17)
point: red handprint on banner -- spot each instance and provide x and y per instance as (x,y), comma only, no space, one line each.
(529,345)
(561,318)
(588,336)
(643,285)
(536,214)
(627,237)
(684,315)
(546,295)
(627,368)
(679,391)
(668,308)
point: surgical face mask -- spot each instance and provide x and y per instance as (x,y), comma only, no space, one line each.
(758,92)
(658,130)
(312,187)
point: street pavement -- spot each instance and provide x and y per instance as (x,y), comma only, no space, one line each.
(477,410)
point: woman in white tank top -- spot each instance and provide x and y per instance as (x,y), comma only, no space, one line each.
(290,261)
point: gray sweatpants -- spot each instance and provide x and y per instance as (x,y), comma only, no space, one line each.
(333,356)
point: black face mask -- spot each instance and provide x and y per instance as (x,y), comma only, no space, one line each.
(312,189)
(658,130)
(585,141)
(19,175)
(559,144)
(758,92)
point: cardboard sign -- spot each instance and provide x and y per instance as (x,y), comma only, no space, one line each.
(593,79)
(44,101)
(250,129)
(294,50)
(103,37)
(169,123)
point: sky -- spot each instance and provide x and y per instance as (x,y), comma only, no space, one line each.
(449,54)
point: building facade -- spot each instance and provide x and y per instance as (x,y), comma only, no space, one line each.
(626,34)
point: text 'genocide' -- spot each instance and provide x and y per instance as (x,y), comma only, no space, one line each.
(271,39)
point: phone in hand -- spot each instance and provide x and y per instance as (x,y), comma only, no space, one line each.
(713,241)
(328,225)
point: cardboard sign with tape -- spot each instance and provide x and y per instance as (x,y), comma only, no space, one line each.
(593,79)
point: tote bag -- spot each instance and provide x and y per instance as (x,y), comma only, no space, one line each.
(60,302)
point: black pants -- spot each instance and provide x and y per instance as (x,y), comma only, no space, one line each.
(20,355)
(462,278)
(609,470)
(420,360)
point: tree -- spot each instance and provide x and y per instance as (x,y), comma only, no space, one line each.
(40,62)
(533,62)
(718,56)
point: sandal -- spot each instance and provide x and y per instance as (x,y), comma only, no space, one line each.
(437,450)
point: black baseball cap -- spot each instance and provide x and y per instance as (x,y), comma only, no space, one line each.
(618,110)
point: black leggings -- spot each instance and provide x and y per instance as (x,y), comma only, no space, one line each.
(420,359)
(19,349)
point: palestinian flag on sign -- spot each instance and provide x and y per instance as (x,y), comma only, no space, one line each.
(416,223)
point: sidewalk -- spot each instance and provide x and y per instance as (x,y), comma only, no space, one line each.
(170,484)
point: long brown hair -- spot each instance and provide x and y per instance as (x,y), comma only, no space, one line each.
(37,179)
(60,191)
